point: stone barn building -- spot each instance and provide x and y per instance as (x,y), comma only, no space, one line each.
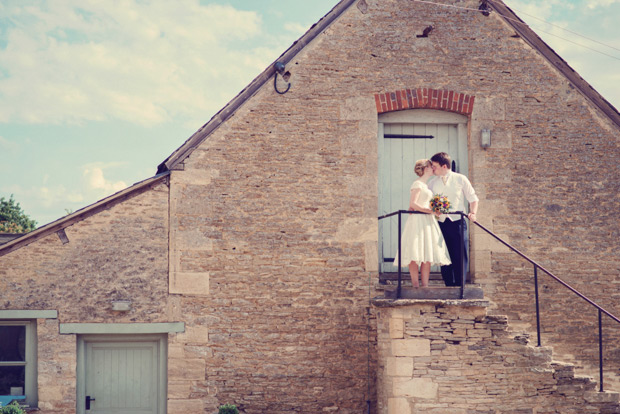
(252,268)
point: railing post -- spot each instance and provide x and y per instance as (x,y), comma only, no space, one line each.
(537,305)
(600,348)
(400,254)
(462,264)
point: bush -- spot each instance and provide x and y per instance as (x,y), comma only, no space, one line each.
(12,408)
(228,409)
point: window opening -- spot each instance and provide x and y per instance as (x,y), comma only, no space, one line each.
(17,362)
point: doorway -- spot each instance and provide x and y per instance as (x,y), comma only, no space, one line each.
(121,374)
(404,137)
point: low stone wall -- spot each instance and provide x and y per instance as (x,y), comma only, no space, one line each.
(451,357)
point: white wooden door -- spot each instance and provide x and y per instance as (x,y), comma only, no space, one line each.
(121,376)
(401,144)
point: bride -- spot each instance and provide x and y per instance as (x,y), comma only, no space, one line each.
(422,243)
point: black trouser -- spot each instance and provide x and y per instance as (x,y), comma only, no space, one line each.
(453,274)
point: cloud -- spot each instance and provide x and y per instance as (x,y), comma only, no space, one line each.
(45,203)
(54,195)
(8,146)
(96,181)
(49,199)
(593,4)
(540,10)
(144,62)
(296,28)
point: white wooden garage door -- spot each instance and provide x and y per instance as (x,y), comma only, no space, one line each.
(120,376)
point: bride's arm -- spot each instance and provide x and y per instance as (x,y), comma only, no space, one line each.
(413,202)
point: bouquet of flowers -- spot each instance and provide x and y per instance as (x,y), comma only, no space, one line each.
(440,204)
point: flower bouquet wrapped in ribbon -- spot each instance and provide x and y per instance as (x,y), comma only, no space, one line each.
(440,203)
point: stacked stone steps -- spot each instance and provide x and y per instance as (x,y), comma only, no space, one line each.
(569,383)
(439,356)
(575,387)
(525,329)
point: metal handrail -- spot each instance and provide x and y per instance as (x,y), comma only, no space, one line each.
(575,291)
(462,247)
(537,266)
(600,309)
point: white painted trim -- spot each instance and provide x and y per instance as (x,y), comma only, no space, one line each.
(28,314)
(80,375)
(380,184)
(422,116)
(30,363)
(463,149)
(121,328)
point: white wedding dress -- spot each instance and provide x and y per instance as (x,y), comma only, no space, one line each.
(422,240)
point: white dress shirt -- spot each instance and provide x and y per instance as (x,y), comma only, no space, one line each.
(457,188)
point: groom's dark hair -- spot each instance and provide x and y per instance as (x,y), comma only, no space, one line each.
(442,158)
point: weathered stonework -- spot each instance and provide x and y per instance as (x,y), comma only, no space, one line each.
(474,365)
(263,240)
(120,253)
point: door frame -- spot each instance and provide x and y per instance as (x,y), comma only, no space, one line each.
(162,369)
(420,116)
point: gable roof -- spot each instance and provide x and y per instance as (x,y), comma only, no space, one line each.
(177,157)
(175,160)
(68,220)
(556,60)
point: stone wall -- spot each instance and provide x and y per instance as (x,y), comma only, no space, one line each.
(120,253)
(274,215)
(451,357)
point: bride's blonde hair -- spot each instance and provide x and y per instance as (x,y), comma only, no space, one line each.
(420,165)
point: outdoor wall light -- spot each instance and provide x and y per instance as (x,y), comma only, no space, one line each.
(485,138)
(279,67)
(121,305)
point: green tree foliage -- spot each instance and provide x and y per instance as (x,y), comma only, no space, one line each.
(13,219)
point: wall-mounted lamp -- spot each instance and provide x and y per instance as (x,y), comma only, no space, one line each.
(279,68)
(485,138)
(121,305)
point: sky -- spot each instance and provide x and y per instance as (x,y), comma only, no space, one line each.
(94,95)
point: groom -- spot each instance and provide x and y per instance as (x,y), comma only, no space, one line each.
(457,188)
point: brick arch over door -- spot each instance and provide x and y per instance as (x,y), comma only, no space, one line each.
(425,98)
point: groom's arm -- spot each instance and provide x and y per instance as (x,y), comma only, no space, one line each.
(473,209)
(471,197)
